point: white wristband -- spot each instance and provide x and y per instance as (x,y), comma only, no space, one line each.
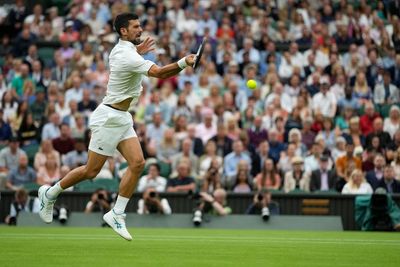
(182,63)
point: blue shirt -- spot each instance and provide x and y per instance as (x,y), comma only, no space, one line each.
(231,161)
(18,177)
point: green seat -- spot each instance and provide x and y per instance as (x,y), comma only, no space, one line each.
(46,54)
(86,186)
(31,186)
(31,151)
(165,169)
(111,185)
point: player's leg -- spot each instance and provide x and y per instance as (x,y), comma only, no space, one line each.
(131,150)
(48,195)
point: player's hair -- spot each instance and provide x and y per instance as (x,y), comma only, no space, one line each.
(122,21)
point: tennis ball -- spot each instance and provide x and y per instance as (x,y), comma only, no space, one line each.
(251,84)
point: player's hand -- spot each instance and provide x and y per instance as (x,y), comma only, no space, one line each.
(146,46)
(190,59)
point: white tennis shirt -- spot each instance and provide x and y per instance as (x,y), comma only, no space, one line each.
(126,70)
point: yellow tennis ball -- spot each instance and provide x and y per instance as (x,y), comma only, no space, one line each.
(251,84)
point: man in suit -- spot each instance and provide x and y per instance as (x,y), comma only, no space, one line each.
(389,182)
(375,176)
(323,179)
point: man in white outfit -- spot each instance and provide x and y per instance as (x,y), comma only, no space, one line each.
(111,124)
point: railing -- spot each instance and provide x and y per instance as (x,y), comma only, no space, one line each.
(289,204)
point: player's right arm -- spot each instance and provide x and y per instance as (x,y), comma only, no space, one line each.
(171,69)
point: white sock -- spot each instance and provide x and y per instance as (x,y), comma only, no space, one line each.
(54,191)
(120,204)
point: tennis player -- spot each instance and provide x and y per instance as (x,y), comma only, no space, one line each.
(111,124)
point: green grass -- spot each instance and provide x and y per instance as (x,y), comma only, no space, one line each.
(195,247)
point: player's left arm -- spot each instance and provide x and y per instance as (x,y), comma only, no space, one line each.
(171,69)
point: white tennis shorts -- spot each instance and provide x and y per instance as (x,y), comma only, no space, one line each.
(109,127)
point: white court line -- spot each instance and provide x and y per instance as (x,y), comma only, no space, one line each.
(205,239)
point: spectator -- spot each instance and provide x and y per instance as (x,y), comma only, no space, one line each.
(343,163)
(375,176)
(168,147)
(151,203)
(232,159)
(223,142)
(155,130)
(396,164)
(325,101)
(86,105)
(197,143)
(392,123)
(183,182)
(21,203)
(28,132)
(209,155)
(378,132)
(389,182)
(51,130)
(269,177)
(100,201)
(21,175)
(354,133)
(187,154)
(5,129)
(298,179)
(64,143)
(206,130)
(311,162)
(9,157)
(285,161)
(18,82)
(46,149)
(76,157)
(275,146)
(49,173)
(357,184)
(256,133)
(368,118)
(211,180)
(323,179)
(242,182)
(386,92)
(152,179)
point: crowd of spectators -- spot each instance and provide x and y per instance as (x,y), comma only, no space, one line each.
(324,117)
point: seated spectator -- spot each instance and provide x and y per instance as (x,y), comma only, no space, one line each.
(207,129)
(22,203)
(242,182)
(256,133)
(223,142)
(46,149)
(307,135)
(9,157)
(357,184)
(261,200)
(197,142)
(28,132)
(168,146)
(285,161)
(188,154)
(151,203)
(78,130)
(389,182)
(275,146)
(297,179)
(21,175)
(152,179)
(294,137)
(343,163)
(269,178)
(366,120)
(374,176)
(100,201)
(325,101)
(392,123)
(323,179)
(76,157)
(87,105)
(64,143)
(51,130)
(209,155)
(49,173)
(231,161)
(211,180)
(311,162)
(183,182)
(377,131)
(155,130)
(340,148)
(386,92)
(354,133)
(396,164)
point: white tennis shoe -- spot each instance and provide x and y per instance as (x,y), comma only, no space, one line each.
(117,223)
(46,205)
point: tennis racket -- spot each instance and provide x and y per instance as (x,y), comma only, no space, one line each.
(199,53)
